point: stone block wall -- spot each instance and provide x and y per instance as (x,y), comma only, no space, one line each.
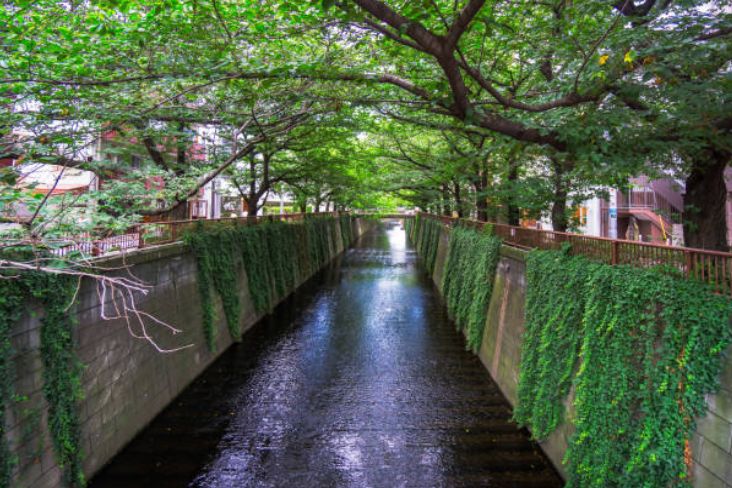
(126,381)
(500,353)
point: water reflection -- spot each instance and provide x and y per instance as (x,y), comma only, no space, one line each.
(357,381)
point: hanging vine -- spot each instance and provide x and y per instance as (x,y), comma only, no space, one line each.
(61,369)
(274,259)
(215,267)
(425,233)
(648,349)
(409,224)
(555,308)
(467,281)
(346,230)
(11,308)
(61,372)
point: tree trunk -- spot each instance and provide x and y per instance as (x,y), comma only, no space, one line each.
(559,212)
(481,203)
(181,148)
(480,182)
(445,201)
(512,211)
(303,207)
(705,201)
(252,206)
(559,206)
(458,201)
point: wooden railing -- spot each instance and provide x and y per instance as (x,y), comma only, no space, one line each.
(712,267)
(143,235)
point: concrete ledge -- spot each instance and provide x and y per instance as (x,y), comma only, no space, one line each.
(144,255)
(514,253)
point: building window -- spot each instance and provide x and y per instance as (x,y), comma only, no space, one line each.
(580,215)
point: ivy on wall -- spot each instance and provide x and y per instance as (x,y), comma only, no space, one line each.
(61,373)
(555,308)
(346,225)
(275,255)
(409,225)
(11,308)
(425,233)
(643,347)
(215,259)
(61,369)
(467,281)
(470,266)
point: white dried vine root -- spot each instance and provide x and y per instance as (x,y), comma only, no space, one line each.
(122,292)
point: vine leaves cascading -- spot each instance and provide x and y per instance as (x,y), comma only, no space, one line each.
(555,308)
(61,369)
(272,255)
(643,347)
(467,281)
(61,374)
(470,266)
(11,308)
(346,225)
(426,235)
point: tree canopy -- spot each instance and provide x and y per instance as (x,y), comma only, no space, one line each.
(491,109)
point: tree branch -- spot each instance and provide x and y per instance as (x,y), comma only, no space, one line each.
(461,23)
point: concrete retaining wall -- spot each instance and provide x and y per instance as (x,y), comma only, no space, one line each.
(126,381)
(500,353)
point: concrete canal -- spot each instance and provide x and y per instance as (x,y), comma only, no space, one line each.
(356,380)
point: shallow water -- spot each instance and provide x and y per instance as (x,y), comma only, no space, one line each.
(357,380)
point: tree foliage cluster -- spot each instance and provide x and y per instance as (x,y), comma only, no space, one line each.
(504,110)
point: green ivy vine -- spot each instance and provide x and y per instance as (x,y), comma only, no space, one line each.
(642,347)
(555,308)
(213,250)
(467,281)
(61,369)
(425,233)
(11,308)
(409,224)
(273,256)
(346,225)
(61,373)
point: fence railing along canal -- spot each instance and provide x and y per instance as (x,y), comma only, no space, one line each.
(712,267)
(154,233)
